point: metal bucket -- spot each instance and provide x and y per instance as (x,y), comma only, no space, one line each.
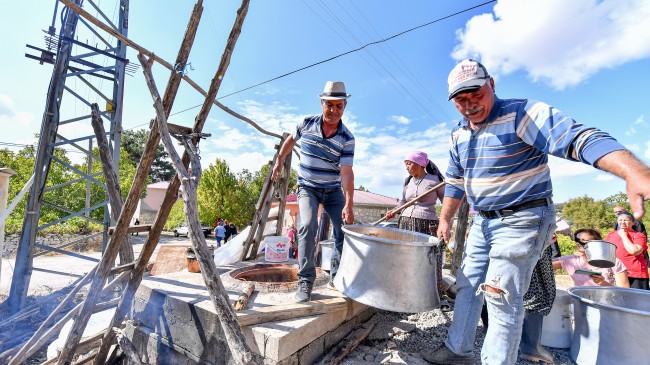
(389,268)
(609,323)
(326,249)
(601,253)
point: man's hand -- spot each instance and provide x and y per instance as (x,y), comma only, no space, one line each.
(444,230)
(637,192)
(390,214)
(348,215)
(636,174)
(276,170)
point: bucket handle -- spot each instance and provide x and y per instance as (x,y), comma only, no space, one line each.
(432,255)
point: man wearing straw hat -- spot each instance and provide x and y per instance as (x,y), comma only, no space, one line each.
(324,177)
(499,163)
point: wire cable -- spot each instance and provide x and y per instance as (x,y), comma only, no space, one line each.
(346,53)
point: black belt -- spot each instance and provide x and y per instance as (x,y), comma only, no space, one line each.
(491,214)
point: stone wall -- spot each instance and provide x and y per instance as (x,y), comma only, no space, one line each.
(11,242)
(369,214)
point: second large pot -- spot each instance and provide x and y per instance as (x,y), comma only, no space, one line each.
(389,268)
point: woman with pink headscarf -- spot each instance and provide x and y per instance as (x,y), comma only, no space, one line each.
(421,216)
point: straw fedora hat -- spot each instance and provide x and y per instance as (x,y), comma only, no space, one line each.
(334,90)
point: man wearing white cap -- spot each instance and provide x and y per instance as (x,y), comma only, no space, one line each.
(324,177)
(499,162)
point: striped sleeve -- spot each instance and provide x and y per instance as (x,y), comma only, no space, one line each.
(555,133)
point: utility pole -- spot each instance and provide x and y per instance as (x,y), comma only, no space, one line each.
(80,61)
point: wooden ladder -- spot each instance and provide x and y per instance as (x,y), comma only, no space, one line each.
(270,190)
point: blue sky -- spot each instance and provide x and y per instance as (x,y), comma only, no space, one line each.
(589,59)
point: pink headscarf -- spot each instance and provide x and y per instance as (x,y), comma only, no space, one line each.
(418,157)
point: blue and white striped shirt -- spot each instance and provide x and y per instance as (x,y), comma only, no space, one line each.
(321,158)
(505,161)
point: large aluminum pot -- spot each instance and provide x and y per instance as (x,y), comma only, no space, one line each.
(601,253)
(609,323)
(389,268)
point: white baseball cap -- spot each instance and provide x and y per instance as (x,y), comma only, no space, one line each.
(468,75)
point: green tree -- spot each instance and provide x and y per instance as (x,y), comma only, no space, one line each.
(620,198)
(161,167)
(585,212)
(223,194)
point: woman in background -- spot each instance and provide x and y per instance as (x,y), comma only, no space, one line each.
(630,249)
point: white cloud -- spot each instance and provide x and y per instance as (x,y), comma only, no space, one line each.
(400,119)
(639,122)
(6,106)
(9,116)
(558,42)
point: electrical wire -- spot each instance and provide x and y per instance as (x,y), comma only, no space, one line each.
(346,53)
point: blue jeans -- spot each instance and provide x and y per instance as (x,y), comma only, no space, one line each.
(500,253)
(333,202)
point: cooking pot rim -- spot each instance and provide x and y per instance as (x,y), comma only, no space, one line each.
(599,242)
(572,292)
(348,229)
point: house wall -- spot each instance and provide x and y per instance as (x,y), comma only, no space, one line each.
(154,199)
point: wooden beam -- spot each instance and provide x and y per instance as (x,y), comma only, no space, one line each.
(242,300)
(239,349)
(459,236)
(171,194)
(132,229)
(84,14)
(112,181)
(349,343)
(282,312)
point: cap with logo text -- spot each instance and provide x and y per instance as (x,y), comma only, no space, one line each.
(467,76)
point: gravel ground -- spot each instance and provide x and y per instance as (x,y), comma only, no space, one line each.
(398,338)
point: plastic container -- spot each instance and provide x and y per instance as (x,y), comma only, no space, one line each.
(276,248)
(326,249)
(557,330)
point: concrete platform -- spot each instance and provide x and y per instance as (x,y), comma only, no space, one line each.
(175,322)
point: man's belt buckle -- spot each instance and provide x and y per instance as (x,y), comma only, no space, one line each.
(505,212)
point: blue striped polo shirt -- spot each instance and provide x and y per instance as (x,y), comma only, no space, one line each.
(505,161)
(321,158)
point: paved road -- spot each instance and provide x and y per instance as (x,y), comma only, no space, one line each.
(62,270)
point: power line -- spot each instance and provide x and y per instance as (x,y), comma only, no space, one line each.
(346,53)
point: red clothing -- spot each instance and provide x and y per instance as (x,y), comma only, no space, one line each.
(637,266)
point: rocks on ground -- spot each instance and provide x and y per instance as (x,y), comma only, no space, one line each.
(398,338)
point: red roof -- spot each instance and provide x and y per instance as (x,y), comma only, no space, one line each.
(368,198)
(361,198)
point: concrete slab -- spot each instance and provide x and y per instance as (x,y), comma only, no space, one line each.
(176,307)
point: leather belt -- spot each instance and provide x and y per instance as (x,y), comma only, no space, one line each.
(491,214)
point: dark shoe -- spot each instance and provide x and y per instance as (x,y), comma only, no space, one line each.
(303,294)
(531,336)
(444,356)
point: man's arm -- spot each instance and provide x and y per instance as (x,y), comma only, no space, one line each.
(286,149)
(347,183)
(636,174)
(449,208)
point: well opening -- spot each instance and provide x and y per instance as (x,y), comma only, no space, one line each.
(269,277)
